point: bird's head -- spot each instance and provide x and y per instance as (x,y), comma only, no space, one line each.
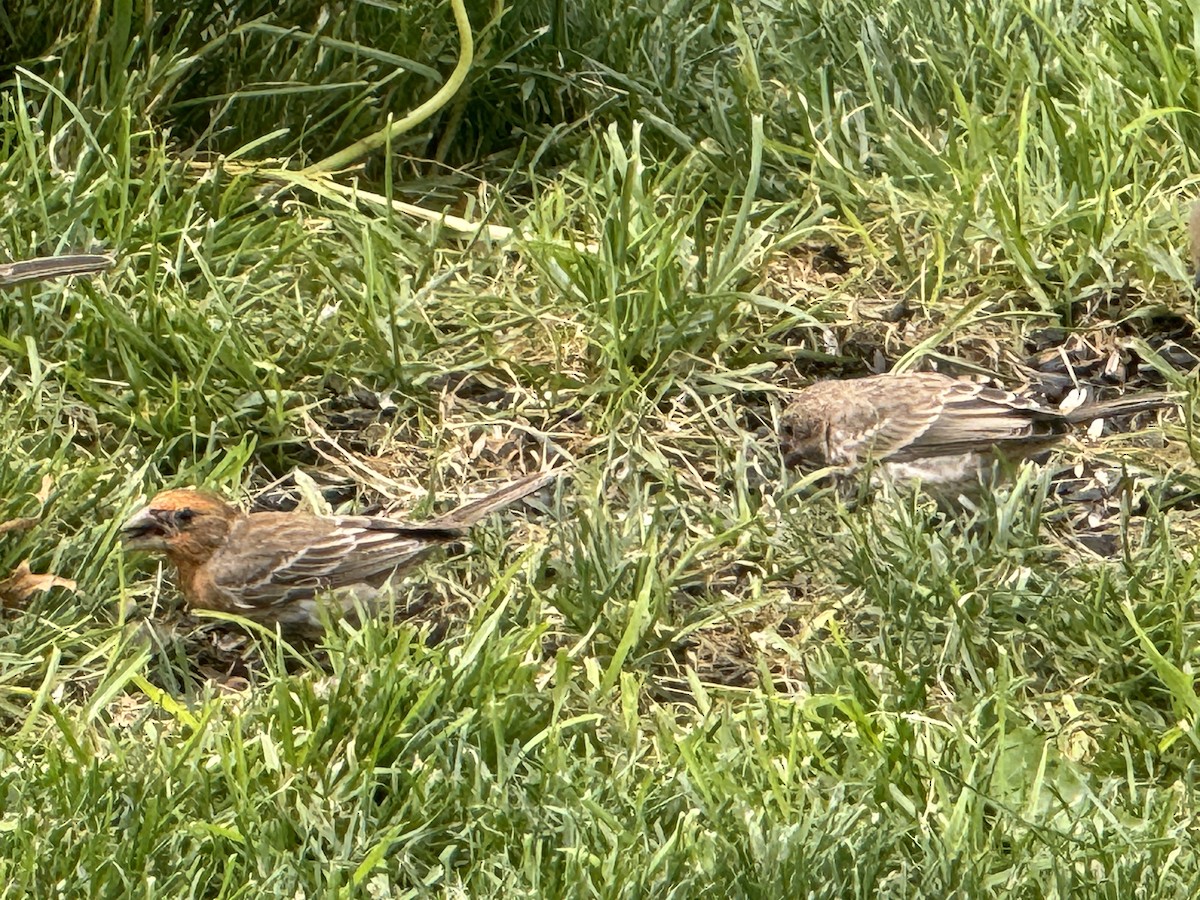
(802,439)
(804,425)
(185,522)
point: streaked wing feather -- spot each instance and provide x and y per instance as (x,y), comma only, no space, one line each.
(977,418)
(878,424)
(52,267)
(337,552)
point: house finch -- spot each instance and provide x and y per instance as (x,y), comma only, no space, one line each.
(52,267)
(929,427)
(268,566)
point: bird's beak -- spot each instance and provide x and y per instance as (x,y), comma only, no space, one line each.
(142,532)
(793,459)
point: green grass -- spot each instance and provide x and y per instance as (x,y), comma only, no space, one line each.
(681,672)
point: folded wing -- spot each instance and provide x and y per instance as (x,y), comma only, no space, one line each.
(281,557)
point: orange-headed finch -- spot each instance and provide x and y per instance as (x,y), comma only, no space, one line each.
(269,566)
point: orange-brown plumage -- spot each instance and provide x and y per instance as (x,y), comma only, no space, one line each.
(269,566)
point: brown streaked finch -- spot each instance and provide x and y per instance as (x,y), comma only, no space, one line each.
(271,566)
(928,427)
(52,267)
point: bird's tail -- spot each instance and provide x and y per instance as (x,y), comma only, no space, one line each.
(1121,406)
(52,267)
(470,513)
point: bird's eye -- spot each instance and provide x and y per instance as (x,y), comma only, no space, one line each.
(800,430)
(183,516)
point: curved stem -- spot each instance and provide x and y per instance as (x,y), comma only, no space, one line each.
(466,54)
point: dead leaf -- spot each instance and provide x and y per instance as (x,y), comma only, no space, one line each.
(17,588)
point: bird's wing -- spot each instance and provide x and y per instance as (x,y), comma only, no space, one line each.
(973,417)
(52,267)
(884,418)
(275,558)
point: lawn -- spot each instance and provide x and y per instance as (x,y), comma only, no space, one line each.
(375,256)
